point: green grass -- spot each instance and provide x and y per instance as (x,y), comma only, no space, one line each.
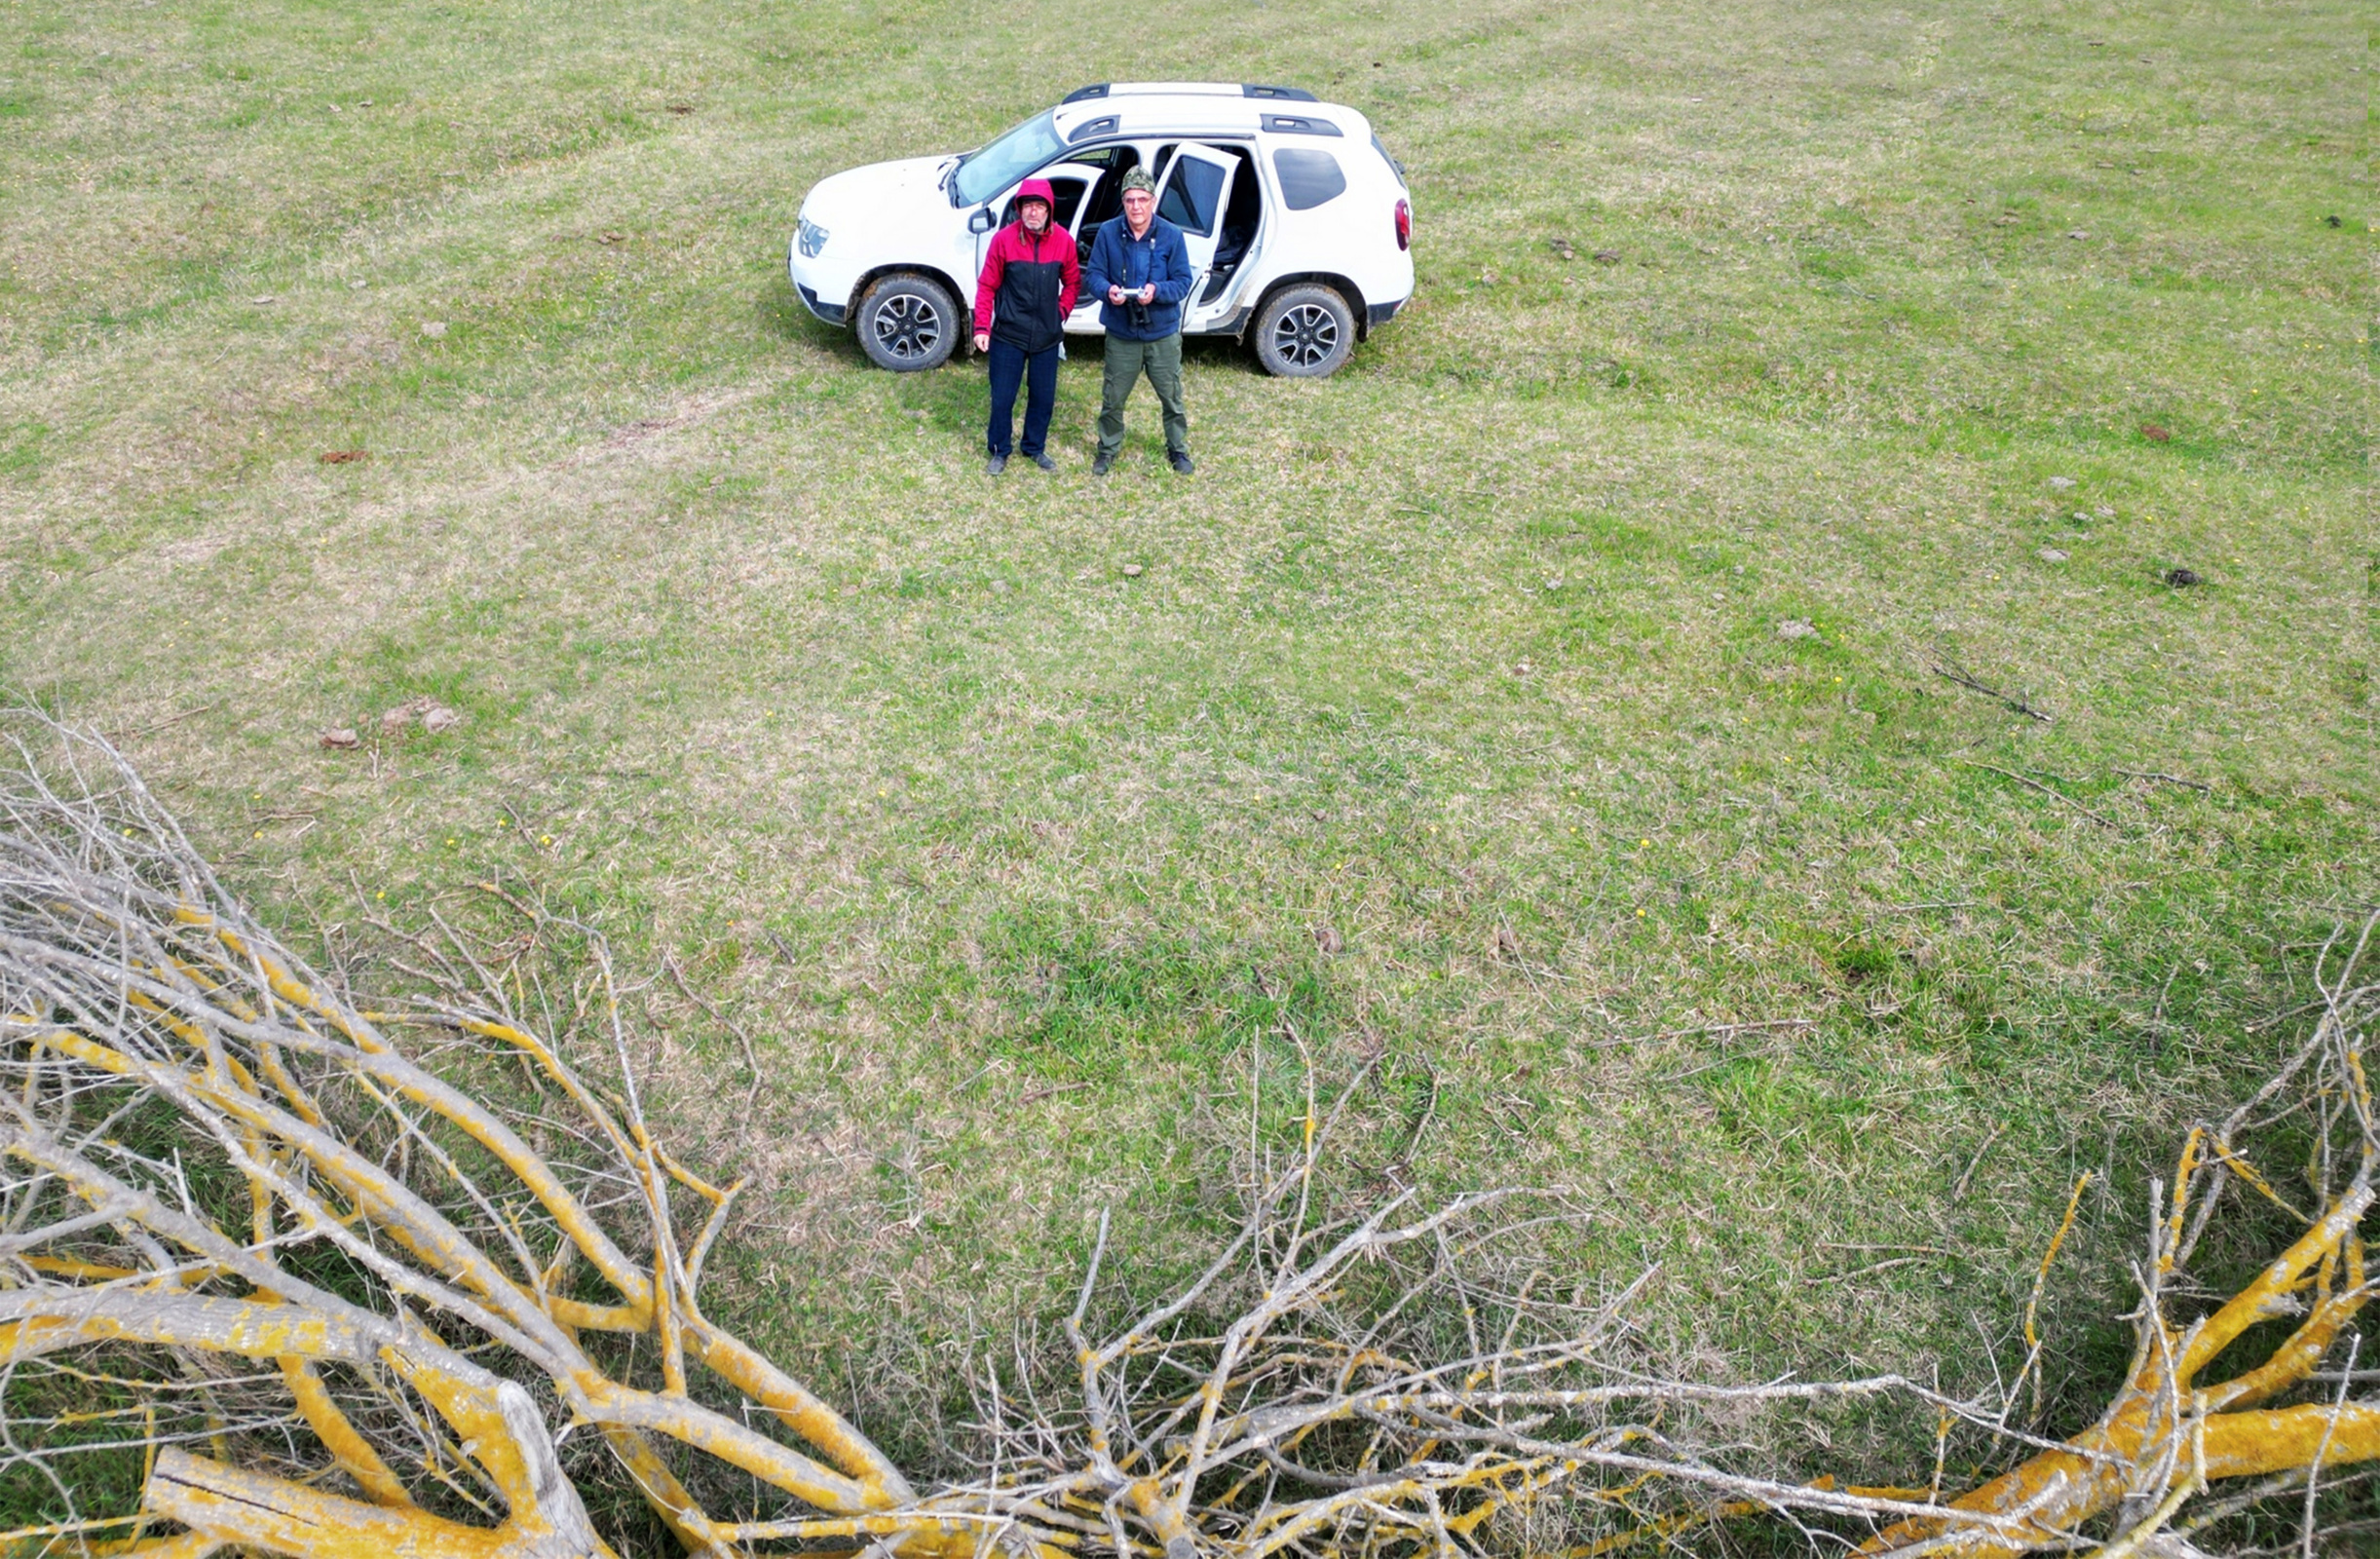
(1470,654)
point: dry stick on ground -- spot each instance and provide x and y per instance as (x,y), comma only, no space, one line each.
(2056,795)
(1958,1191)
(222,1170)
(2169,779)
(751,1061)
(2016,701)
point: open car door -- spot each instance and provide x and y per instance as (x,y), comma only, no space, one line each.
(1069,181)
(1197,191)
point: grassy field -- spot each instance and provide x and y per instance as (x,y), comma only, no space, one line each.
(1466,664)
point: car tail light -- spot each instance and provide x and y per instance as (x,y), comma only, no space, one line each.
(1404,224)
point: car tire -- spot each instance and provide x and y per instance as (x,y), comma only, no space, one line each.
(908,323)
(1305,332)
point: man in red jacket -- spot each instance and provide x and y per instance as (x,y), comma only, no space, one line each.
(1027,289)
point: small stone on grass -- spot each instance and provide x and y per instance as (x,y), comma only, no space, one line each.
(434,716)
(1796,627)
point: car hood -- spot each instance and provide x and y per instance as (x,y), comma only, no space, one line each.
(897,191)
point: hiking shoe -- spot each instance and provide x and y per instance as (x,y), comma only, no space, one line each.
(1181,462)
(1044,462)
(995,465)
(1101,465)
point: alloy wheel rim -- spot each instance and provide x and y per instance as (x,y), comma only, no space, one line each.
(1306,335)
(908,327)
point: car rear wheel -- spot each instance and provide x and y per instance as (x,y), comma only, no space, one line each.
(907,323)
(1305,332)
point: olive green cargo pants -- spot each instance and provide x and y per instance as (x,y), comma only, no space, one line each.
(1126,361)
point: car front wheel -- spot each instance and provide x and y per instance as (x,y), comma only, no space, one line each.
(907,323)
(1304,333)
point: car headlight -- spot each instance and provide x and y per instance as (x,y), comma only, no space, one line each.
(812,239)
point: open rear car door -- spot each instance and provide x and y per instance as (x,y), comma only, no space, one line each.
(1197,191)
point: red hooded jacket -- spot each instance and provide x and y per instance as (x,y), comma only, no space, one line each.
(1029,280)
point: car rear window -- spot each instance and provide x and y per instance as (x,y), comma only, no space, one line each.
(1308,178)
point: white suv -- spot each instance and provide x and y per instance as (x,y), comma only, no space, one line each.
(1298,220)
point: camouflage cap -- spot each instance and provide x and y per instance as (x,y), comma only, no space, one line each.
(1139,178)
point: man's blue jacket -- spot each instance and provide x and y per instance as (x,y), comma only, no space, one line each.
(1119,259)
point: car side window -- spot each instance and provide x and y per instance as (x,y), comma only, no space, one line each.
(1193,196)
(1069,200)
(1308,178)
(1106,198)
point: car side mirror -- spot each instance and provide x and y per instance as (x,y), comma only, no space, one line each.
(981,221)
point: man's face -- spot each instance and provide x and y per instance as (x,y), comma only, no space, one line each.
(1033,214)
(1138,203)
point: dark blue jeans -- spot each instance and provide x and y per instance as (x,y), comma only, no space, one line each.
(1037,372)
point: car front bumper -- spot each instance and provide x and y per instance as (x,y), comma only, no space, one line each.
(825,291)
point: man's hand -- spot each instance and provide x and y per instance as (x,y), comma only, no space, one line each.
(1116,294)
(1148,292)
(983,341)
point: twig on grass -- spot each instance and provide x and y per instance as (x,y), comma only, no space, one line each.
(1054,1089)
(1864,1272)
(2276,1019)
(1959,1190)
(1709,1029)
(751,1061)
(1721,1059)
(1512,946)
(171,719)
(2011,773)
(2169,779)
(2016,701)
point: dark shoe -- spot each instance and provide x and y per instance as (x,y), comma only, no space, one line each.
(1181,462)
(1101,465)
(1044,462)
(995,465)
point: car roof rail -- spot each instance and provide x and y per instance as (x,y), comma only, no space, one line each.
(1298,125)
(1084,94)
(1293,94)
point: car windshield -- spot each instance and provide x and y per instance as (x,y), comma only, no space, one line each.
(984,173)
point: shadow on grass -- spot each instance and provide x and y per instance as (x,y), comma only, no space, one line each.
(781,317)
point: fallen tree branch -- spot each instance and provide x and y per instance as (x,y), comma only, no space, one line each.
(375,1297)
(2016,701)
(2056,795)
